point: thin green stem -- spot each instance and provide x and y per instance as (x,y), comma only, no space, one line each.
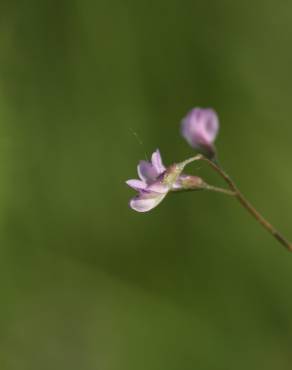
(247,205)
(220,190)
(205,187)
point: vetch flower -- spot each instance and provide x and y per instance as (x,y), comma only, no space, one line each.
(156,181)
(200,128)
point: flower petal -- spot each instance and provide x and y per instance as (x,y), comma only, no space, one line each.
(144,202)
(147,172)
(157,162)
(137,184)
(158,187)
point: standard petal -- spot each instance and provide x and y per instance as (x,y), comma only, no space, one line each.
(144,202)
(157,162)
(137,184)
(147,172)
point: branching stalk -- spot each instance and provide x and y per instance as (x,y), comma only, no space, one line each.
(247,205)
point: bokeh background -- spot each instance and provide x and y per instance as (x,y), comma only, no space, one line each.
(88,88)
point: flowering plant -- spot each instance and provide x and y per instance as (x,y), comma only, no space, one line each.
(200,128)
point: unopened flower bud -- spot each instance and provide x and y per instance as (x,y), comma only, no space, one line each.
(200,128)
(188,182)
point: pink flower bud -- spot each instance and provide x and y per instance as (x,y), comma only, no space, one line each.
(200,128)
(187,182)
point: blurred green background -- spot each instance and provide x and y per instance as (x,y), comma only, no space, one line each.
(85,282)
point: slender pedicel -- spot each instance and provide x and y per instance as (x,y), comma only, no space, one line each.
(209,188)
(220,190)
(190,160)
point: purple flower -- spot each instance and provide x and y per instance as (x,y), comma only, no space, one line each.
(156,181)
(200,128)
